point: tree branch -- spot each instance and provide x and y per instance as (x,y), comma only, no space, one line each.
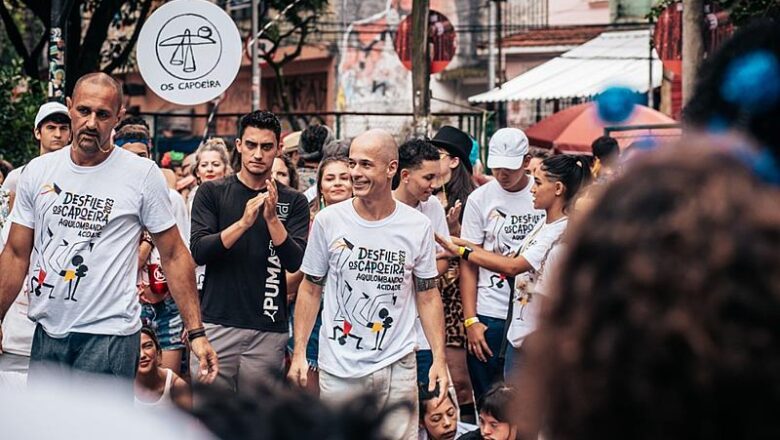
(122,58)
(38,49)
(30,64)
(301,42)
(41,9)
(96,36)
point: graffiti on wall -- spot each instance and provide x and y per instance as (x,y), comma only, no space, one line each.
(371,77)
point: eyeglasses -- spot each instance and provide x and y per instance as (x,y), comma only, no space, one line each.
(443,154)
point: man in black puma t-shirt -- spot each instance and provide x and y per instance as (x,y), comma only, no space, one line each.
(248,231)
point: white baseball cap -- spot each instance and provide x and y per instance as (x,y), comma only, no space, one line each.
(49,109)
(507,149)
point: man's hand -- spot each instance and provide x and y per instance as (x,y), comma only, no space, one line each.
(207,358)
(1,339)
(299,370)
(477,345)
(269,208)
(437,375)
(251,210)
(453,216)
(451,244)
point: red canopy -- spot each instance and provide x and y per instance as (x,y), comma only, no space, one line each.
(575,128)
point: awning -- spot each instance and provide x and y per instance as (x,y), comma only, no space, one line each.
(613,58)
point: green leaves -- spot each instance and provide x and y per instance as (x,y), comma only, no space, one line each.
(20,97)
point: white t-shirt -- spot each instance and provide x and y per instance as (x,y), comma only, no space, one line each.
(498,220)
(369,298)
(527,304)
(86,223)
(310,193)
(432,209)
(181,214)
(200,271)
(17,328)
(12,179)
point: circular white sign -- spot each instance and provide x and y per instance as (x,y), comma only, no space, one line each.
(189,51)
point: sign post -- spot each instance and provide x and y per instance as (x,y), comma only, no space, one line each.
(189,52)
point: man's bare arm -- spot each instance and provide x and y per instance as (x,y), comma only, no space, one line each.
(179,269)
(15,260)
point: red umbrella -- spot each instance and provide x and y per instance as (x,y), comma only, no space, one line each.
(575,128)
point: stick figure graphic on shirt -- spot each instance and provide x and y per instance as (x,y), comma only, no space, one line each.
(344,248)
(524,298)
(497,280)
(498,218)
(38,282)
(381,326)
(346,332)
(74,276)
(346,327)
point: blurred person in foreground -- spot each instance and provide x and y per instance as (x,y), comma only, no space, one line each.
(269,410)
(663,322)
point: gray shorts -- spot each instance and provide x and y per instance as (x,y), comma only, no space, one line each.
(245,355)
(393,384)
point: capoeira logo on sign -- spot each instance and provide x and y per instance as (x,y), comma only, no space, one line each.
(189,46)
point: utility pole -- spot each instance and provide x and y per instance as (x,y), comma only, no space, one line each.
(57,53)
(421,67)
(492,56)
(650,90)
(693,45)
(255,56)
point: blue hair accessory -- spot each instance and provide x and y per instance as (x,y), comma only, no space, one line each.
(474,153)
(616,104)
(752,82)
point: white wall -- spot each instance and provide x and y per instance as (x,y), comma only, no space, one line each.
(578,12)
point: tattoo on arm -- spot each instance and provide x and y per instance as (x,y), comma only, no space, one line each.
(423,284)
(319,281)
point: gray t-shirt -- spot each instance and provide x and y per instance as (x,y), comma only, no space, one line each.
(86,223)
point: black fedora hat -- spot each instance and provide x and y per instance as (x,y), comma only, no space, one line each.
(456,143)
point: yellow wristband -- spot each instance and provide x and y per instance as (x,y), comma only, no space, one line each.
(470,321)
(461,250)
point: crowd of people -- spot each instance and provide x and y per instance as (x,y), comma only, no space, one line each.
(372,289)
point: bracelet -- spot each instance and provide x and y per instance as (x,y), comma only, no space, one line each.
(196,333)
(464,251)
(470,321)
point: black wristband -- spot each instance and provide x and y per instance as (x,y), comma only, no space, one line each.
(193,334)
(466,251)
